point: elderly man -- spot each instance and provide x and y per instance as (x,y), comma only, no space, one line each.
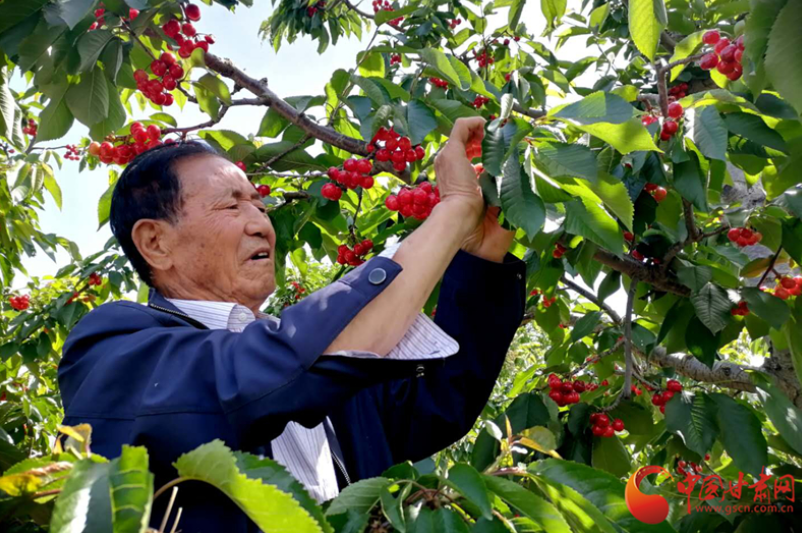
(349,381)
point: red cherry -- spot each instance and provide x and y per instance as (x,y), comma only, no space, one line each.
(240,165)
(711,37)
(420,152)
(725,67)
(154,132)
(788,283)
(603,420)
(637,255)
(707,457)
(728,53)
(209,39)
(609,432)
(263,190)
(176,71)
(392,203)
(781,293)
(721,45)
(556,396)
(629,237)
(579,386)
(660,194)
(737,72)
(673,385)
(597,430)
(382,155)
(675,110)
(133,13)
(739,55)
(364,166)
(331,192)
(367,182)
(193,12)
(618,424)
(670,127)
(734,234)
(140,75)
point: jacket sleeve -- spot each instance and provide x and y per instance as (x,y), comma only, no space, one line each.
(481,305)
(120,356)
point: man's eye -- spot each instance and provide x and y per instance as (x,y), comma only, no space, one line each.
(233,206)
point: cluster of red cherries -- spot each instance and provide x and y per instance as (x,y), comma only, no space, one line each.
(185,33)
(31,128)
(726,56)
(658,193)
(20,303)
(454,23)
(416,202)
(143,139)
(682,465)
(395,58)
(744,236)
(484,59)
(660,399)
(480,101)
(671,124)
(437,82)
(355,173)
(602,426)
(395,148)
(297,289)
(559,251)
(168,74)
(507,41)
(384,5)
(94,279)
(567,392)
(678,91)
(354,256)
(742,309)
(73,153)
(548,302)
(312,10)
(787,287)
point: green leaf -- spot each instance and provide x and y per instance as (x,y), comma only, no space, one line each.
(371,64)
(583,515)
(273,473)
(114,120)
(227,139)
(12,13)
(521,206)
(610,455)
(710,133)
(712,307)
(216,86)
(585,325)
(592,222)
(603,490)
(89,100)
(684,49)
(131,485)
(56,119)
(391,507)
(9,125)
(609,285)
(360,496)
(647,19)
(271,509)
(701,342)
(785,416)
(453,110)
(766,306)
(690,182)
(35,45)
(553,11)
(693,418)
(595,108)
(85,500)
(90,46)
(447,521)
(207,101)
(783,61)
(73,11)
(440,62)
(572,160)
(51,184)
(272,124)
(752,127)
(421,121)
(741,435)
(468,482)
(629,136)
(104,206)
(386,16)
(529,504)
(694,277)
(371,89)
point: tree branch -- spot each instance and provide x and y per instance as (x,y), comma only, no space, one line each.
(656,277)
(355,9)
(723,373)
(328,135)
(770,267)
(668,42)
(633,287)
(531,113)
(593,298)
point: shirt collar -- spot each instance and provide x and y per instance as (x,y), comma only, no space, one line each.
(216,315)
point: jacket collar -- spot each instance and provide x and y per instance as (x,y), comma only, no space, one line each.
(159,303)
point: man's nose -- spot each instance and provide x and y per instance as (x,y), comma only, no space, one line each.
(259,224)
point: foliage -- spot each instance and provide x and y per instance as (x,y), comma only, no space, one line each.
(574,154)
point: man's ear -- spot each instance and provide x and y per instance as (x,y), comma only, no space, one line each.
(153,240)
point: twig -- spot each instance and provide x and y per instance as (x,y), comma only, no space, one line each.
(292,148)
(352,7)
(168,485)
(657,278)
(662,90)
(531,113)
(177,519)
(593,298)
(169,509)
(770,267)
(668,42)
(208,124)
(627,392)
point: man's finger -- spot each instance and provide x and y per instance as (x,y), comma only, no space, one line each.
(465,130)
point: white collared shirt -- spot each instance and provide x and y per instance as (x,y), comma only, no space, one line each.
(305,452)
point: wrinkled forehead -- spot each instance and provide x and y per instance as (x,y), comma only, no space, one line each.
(209,178)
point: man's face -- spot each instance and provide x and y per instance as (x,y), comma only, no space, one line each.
(223,244)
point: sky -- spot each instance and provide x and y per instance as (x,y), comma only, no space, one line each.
(297,69)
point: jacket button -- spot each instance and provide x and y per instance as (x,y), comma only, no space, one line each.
(377,276)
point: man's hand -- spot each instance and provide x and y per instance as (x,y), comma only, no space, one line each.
(489,241)
(456,178)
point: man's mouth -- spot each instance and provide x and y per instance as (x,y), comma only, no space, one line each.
(259,256)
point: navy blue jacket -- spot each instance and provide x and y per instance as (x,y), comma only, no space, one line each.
(145,375)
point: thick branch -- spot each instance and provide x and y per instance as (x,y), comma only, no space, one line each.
(593,298)
(661,281)
(327,135)
(668,42)
(633,287)
(723,373)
